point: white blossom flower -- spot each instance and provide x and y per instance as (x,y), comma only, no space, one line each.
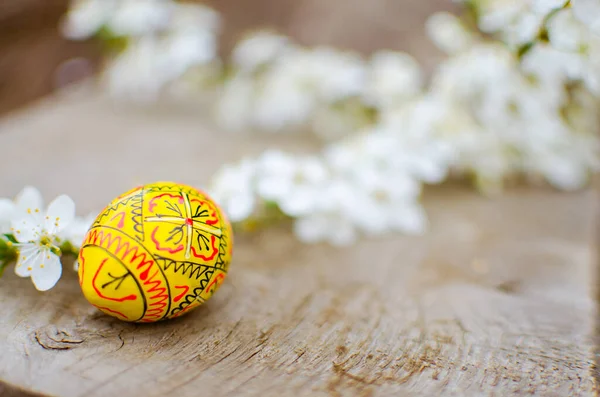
(257,49)
(393,78)
(448,33)
(516,22)
(567,33)
(334,122)
(194,15)
(580,49)
(552,67)
(376,201)
(347,208)
(138,73)
(7,209)
(544,7)
(191,36)
(588,11)
(29,197)
(295,184)
(232,188)
(165,40)
(484,69)
(326,227)
(187,48)
(382,212)
(524,29)
(370,189)
(139,17)
(333,221)
(284,100)
(408,138)
(37,237)
(86,17)
(336,74)
(75,231)
(298,83)
(497,15)
(149,63)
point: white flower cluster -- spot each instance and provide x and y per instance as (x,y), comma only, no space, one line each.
(279,86)
(516,97)
(521,22)
(517,117)
(566,36)
(39,233)
(486,113)
(331,198)
(164,41)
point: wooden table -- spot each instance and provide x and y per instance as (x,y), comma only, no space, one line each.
(498,298)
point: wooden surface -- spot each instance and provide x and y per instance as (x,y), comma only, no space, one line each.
(498,298)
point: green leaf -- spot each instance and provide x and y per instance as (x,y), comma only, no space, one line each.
(10,237)
(112,42)
(69,249)
(8,251)
(524,49)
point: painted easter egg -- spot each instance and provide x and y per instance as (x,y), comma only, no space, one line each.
(155,252)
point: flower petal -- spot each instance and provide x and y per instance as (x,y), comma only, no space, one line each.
(28,255)
(6,208)
(61,212)
(240,207)
(271,187)
(46,272)
(7,212)
(300,202)
(29,198)
(76,230)
(27,229)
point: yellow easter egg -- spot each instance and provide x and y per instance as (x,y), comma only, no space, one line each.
(155,252)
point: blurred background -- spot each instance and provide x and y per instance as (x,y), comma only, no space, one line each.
(513,98)
(35,59)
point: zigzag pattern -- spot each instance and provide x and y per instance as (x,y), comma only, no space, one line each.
(188,269)
(223,247)
(204,281)
(171,188)
(195,295)
(189,299)
(115,206)
(136,216)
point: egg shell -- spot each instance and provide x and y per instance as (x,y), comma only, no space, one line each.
(155,252)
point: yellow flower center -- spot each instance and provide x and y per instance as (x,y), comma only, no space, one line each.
(46,241)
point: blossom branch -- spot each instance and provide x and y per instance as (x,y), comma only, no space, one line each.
(35,239)
(542,36)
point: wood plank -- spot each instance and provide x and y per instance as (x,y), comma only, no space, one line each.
(498,298)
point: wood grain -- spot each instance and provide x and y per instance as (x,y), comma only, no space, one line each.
(497,299)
